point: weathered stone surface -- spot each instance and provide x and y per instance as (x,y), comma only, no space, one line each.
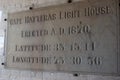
(78,37)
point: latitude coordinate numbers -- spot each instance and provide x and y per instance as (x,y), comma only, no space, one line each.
(56,47)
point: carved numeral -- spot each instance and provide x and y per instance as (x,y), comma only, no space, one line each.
(95,60)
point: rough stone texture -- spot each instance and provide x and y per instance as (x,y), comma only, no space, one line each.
(5,74)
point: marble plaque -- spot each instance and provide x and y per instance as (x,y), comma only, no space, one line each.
(77,37)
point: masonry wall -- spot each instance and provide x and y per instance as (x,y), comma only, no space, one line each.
(7,6)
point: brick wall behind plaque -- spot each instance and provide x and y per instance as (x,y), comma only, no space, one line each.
(7,6)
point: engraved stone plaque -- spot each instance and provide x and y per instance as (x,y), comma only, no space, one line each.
(77,37)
